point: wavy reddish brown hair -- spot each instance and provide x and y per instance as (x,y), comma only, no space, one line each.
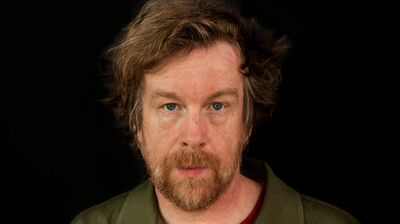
(165,27)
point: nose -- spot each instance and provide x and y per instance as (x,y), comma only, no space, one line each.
(194,132)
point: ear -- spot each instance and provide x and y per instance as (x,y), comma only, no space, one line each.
(139,138)
(246,136)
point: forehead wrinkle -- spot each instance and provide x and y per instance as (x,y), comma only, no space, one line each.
(231,92)
(191,69)
(225,92)
(233,57)
(165,94)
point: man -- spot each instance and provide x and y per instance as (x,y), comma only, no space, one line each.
(190,78)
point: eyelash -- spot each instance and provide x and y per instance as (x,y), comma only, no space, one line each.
(176,106)
(223,106)
(164,107)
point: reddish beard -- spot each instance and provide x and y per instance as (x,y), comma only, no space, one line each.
(193,193)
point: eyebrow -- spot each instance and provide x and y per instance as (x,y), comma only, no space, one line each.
(171,95)
(165,94)
(225,92)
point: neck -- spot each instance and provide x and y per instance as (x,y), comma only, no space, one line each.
(233,206)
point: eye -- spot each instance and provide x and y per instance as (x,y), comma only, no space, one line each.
(217,106)
(169,106)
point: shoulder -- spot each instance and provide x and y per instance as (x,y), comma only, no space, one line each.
(130,207)
(316,211)
(104,213)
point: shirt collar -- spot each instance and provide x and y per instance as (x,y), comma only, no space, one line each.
(281,204)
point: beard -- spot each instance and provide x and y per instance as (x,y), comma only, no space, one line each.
(192,193)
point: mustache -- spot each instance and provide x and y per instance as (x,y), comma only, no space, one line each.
(188,158)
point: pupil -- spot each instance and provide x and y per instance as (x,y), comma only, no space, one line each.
(171,106)
(217,106)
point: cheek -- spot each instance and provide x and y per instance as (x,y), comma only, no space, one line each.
(159,133)
(226,134)
(230,123)
(166,127)
(165,120)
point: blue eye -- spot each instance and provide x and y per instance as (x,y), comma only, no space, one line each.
(217,106)
(170,106)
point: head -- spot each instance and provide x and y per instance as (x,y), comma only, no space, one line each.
(190,78)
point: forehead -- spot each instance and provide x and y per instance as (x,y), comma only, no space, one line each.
(202,69)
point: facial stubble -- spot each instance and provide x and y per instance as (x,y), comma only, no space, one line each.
(192,193)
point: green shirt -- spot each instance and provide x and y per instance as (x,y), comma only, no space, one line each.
(282,204)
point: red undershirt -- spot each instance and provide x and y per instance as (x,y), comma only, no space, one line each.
(251,218)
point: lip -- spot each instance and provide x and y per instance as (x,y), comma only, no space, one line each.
(191,171)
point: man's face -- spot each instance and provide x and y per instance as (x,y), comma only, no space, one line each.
(192,134)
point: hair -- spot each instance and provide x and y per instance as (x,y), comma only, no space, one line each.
(164,28)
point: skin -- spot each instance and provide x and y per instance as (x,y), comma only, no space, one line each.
(195,102)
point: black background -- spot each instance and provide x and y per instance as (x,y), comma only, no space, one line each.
(333,136)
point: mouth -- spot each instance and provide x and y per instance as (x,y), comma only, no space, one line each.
(191,171)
